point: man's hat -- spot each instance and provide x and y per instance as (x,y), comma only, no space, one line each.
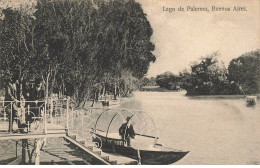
(128,118)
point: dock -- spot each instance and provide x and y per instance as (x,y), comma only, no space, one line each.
(50,139)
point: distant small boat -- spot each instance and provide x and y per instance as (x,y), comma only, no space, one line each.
(251,100)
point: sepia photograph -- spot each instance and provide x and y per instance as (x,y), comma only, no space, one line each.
(129,82)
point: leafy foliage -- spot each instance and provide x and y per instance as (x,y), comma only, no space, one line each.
(244,73)
(168,80)
(209,77)
(206,78)
(73,45)
(145,81)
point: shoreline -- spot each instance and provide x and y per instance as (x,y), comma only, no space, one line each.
(222,96)
(202,96)
(157,89)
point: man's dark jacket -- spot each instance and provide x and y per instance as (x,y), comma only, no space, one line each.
(127,132)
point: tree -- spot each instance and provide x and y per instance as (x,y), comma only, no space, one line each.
(145,81)
(207,77)
(244,73)
(168,80)
(16,43)
(73,45)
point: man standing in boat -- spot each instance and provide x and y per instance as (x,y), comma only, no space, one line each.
(126,131)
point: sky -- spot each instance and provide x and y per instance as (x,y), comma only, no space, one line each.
(181,38)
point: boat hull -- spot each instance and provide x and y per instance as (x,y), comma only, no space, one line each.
(164,156)
(152,157)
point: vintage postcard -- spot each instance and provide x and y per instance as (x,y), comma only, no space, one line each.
(129,82)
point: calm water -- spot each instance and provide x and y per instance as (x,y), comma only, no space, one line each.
(214,130)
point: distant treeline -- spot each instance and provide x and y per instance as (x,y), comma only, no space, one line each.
(145,81)
(76,48)
(208,76)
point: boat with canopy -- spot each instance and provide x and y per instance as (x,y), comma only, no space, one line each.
(144,147)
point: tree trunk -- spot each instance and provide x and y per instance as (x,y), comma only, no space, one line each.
(115,91)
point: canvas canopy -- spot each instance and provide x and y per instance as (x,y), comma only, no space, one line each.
(108,123)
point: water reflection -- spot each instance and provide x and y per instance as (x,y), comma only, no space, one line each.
(217,130)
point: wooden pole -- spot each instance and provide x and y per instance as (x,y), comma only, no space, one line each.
(16,153)
(28,126)
(72,116)
(115,92)
(24,149)
(11,119)
(139,157)
(4,113)
(45,120)
(51,109)
(37,151)
(67,116)
(82,126)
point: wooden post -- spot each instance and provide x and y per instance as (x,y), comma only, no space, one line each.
(115,91)
(45,120)
(82,125)
(4,113)
(67,116)
(72,112)
(11,119)
(37,151)
(28,126)
(139,157)
(24,150)
(16,152)
(51,109)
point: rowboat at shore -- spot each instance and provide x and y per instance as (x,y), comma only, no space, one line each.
(144,147)
(148,155)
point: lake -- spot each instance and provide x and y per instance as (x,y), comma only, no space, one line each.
(214,130)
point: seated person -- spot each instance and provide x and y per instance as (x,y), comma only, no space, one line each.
(126,131)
